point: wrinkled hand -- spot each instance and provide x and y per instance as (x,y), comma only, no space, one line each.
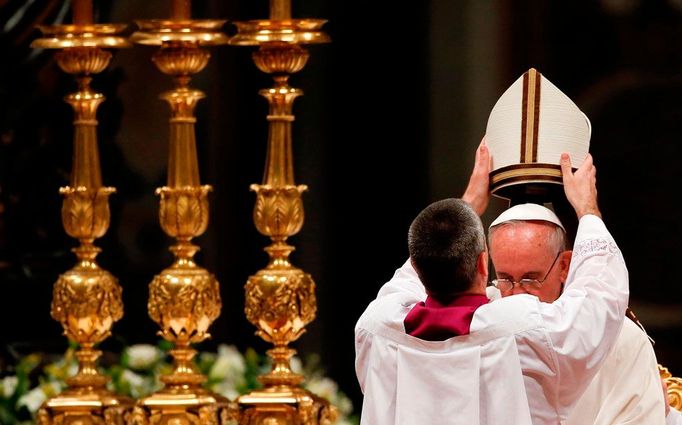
(477,193)
(581,187)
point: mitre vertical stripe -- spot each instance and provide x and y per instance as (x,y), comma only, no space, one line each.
(524,118)
(536,115)
(530,119)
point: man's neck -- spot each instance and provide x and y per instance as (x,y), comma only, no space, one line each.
(447,299)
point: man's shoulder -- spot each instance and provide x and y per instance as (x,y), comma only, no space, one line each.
(404,280)
(517,304)
(389,310)
(631,337)
(516,312)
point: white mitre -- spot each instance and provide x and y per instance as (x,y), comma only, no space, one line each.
(529,127)
(528,211)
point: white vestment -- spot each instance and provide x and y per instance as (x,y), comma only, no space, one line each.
(674,417)
(627,388)
(524,362)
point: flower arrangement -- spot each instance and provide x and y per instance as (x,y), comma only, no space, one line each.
(136,374)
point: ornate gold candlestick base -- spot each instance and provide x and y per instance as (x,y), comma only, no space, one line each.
(86,401)
(283,401)
(285,405)
(84,406)
(183,406)
(183,401)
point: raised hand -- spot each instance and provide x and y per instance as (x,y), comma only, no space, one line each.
(477,193)
(581,187)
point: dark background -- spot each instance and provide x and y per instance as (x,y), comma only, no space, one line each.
(393,110)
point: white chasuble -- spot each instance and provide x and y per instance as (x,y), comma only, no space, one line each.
(525,362)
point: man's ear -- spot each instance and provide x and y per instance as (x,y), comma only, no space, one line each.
(564,263)
(482,265)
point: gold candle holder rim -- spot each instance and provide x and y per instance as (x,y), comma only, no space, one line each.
(278,395)
(295,31)
(71,398)
(186,397)
(155,32)
(94,35)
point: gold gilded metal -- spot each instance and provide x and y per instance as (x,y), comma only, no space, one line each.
(86,299)
(184,299)
(674,385)
(280,299)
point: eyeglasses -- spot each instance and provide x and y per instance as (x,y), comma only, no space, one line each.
(506,285)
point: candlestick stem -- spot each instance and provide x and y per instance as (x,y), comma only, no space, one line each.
(280,9)
(182,10)
(81,12)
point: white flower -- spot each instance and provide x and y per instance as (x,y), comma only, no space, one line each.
(52,388)
(72,369)
(35,398)
(324,387)
(142,356)
(296,365)
(139,385)
(229,365)
(32,399)
(132,378)
(328,389)
(225,389)
(344,405)
(8,385)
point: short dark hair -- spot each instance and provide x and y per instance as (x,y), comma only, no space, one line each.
(444,241)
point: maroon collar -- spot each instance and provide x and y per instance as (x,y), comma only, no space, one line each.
(435,321)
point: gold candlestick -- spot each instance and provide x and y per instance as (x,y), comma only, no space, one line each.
(184,299)
(86,299)
(674,387)
(280,299)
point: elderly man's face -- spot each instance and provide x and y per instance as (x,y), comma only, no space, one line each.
(521,251)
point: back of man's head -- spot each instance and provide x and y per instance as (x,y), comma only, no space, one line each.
(444,242)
